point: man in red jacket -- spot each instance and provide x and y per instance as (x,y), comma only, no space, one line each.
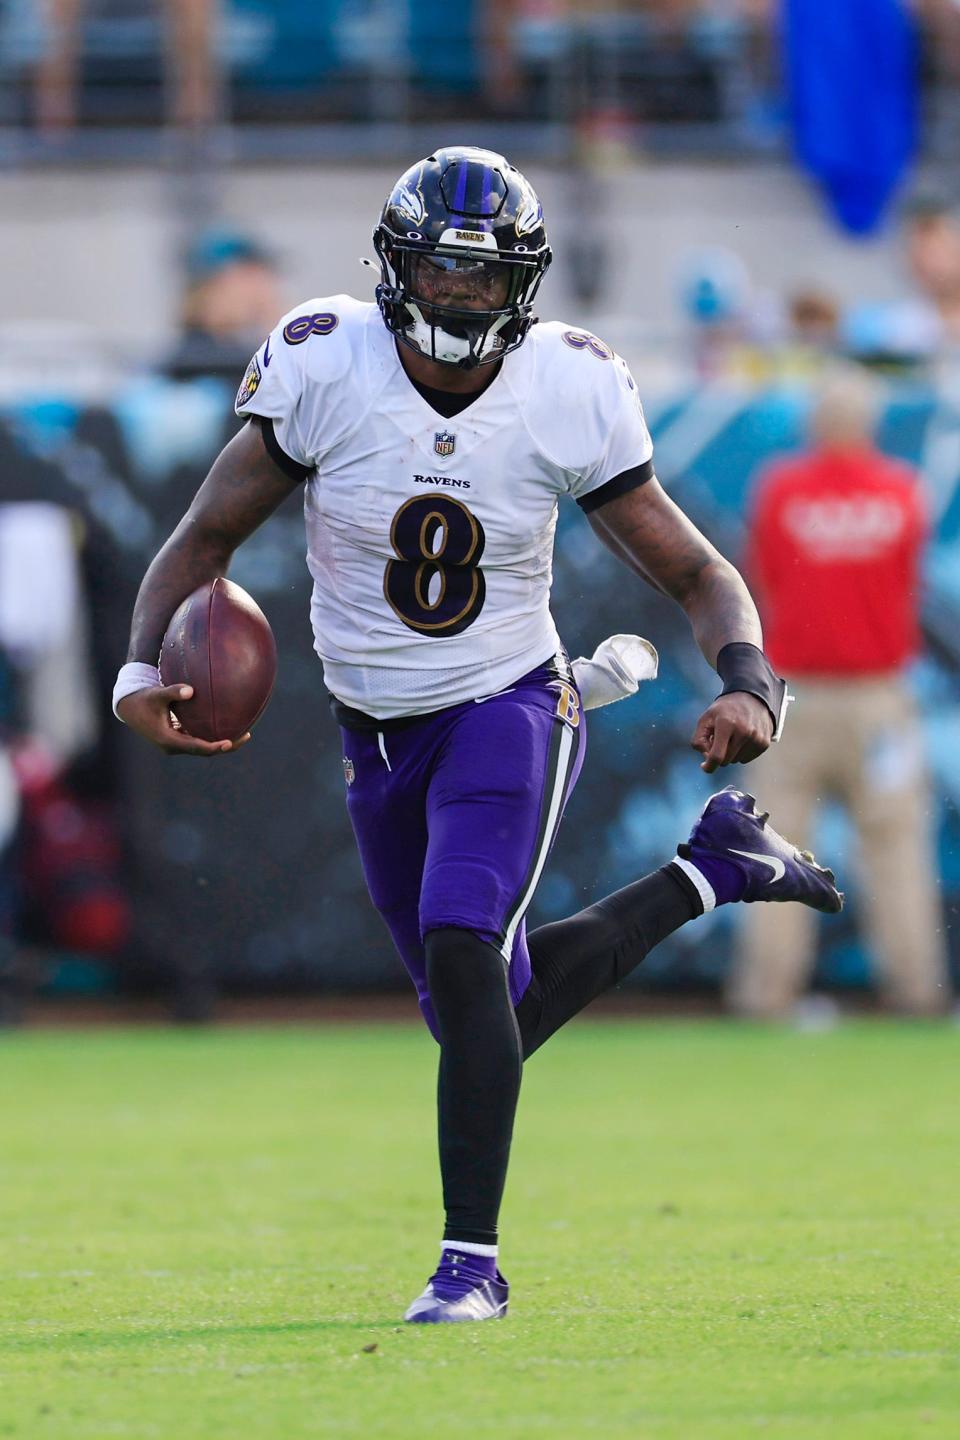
(835,543)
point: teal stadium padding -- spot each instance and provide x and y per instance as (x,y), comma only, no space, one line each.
(255,858)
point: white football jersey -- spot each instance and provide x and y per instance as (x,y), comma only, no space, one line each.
(430,540)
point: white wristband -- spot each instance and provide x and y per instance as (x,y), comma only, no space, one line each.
(133,677)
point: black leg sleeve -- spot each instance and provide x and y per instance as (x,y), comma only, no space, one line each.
(479,1080)
(575,960)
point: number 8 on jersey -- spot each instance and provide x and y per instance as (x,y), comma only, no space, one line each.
(435,584)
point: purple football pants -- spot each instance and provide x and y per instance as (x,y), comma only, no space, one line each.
(455,815)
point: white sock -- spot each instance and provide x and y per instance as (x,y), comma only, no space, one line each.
(470,1247)
(704,889)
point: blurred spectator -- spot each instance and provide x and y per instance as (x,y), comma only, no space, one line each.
(193,84)
(232,299)
(933,254)
(9,817)
(814,318)
(642,60)
(59,849)
(714,293)
(736,330)
(43,628)
(942,19)
(810,338)
(835,546)
(926,326)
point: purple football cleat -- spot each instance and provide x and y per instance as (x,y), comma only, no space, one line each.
(731,831)
(463,1287)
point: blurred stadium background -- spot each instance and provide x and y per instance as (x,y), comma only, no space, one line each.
(734,190)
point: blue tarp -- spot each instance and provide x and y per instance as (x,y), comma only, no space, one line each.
(852,72)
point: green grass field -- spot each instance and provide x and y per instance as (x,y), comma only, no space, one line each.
(711,1232)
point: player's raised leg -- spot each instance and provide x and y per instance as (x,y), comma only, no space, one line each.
(732,854)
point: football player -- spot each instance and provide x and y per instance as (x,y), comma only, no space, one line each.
(435,432)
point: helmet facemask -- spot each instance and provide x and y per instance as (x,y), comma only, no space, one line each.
(456,304)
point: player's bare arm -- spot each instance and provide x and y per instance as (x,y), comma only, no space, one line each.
(651,534)
(243,488)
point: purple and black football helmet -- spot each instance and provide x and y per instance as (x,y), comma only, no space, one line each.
(462,250)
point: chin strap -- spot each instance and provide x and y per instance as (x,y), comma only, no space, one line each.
(438,344)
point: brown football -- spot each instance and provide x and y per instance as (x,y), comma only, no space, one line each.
(220,642)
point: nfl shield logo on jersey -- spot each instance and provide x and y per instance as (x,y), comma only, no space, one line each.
(444,443)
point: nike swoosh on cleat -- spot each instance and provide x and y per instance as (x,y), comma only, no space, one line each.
(777,866)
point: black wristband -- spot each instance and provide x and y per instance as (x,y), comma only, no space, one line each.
(742,666)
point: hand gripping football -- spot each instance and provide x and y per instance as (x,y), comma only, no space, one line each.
(220,642)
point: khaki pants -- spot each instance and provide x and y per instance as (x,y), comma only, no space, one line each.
(857,741)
